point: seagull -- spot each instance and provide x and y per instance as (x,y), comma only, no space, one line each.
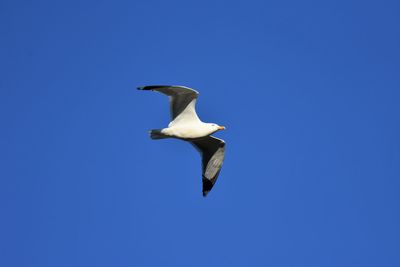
(186,125)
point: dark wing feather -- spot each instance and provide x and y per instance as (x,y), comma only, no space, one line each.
(212,151)
(180,96)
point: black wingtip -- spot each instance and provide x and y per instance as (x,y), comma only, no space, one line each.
(152,87)
(207,185)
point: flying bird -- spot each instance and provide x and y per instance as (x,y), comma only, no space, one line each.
(186,125)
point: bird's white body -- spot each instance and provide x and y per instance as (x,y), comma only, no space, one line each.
(187,124)
(190,130)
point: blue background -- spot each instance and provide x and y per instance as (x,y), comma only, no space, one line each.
(308,91)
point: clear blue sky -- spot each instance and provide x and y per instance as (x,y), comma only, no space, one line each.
(309,92)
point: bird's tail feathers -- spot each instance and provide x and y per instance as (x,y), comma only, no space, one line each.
(157,134)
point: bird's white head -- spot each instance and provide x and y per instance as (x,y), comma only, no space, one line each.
(215,127)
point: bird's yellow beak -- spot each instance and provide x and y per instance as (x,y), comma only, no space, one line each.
(221,128)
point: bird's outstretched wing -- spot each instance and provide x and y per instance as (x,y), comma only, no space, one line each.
(212,151)
(182,101)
